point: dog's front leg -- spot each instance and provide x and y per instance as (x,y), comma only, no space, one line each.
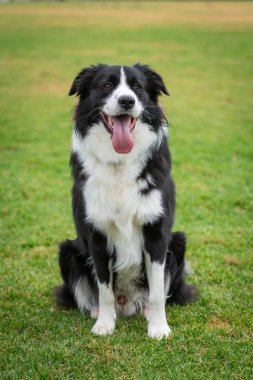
(155,253)
(105,323)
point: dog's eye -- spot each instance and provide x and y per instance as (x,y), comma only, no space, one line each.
(137,86)
(107,86)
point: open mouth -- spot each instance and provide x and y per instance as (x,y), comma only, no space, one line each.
(121,128)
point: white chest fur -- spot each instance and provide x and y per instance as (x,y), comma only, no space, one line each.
(114,203)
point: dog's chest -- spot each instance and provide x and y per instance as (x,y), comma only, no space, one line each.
(113,197)
(116,206)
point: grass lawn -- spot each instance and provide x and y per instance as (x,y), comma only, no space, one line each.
(205,53)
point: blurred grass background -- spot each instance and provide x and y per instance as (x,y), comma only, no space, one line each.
(204,52)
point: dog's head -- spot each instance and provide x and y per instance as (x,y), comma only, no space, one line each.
(119,96)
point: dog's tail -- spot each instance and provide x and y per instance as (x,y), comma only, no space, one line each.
(179,292)
(63,293)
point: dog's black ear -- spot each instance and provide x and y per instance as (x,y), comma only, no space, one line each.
(76,84)
(155,82)
(81,83)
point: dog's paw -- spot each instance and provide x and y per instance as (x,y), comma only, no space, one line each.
(158,331)
(103,327)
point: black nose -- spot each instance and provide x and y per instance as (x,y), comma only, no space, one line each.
(126,102)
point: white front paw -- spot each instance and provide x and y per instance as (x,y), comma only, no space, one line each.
(103,327)
(158,330)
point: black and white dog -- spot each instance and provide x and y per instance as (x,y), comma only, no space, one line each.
(125,258)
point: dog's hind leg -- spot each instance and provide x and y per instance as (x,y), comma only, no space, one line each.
(177,290)
(79,288)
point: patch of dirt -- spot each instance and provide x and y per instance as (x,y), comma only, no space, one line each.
(49,87)
(231,261)
(217,324)
(209,239)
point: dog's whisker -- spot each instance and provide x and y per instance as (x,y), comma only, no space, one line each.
(160,107)
(148,115)
(153,107)
(94,109)
(97,114)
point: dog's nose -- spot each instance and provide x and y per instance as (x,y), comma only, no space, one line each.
(126,102)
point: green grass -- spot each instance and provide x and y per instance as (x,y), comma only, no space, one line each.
(204,52)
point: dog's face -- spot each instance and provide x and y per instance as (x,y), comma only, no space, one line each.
(119,96)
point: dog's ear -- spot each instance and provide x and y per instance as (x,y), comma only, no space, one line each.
(155,82)
(81,83)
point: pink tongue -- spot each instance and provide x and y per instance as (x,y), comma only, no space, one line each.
(121,137)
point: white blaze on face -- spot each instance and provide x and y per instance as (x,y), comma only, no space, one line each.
(112,107)
(121,122)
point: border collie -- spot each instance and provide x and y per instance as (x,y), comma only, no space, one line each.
(125,258)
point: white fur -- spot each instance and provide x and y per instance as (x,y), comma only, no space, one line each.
(105,323)
(144,184)
(157,323)
(83,295)
(167,282)
(112,106)
(94,312)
